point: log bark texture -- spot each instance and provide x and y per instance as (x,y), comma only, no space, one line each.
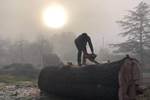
(90,82)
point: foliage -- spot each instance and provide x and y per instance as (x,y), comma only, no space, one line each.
(24,71)
(14,79)
(24,51)
(136,28)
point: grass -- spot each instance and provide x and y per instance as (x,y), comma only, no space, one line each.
(14,79)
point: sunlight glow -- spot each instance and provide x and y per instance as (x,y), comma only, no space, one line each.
(54,16)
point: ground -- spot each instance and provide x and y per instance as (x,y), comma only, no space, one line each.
(26,89)
(18,88)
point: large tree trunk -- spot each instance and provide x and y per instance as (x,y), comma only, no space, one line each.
(89,82)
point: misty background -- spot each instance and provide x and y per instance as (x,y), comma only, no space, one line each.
(27,45)
(25,39)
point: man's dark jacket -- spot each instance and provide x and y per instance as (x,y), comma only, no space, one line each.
(81,42)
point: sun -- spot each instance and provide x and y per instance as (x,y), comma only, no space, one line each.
(54,16)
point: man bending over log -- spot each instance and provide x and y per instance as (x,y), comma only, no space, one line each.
(81,42)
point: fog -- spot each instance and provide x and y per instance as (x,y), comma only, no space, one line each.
(22,19)
(94,17)
(41,62)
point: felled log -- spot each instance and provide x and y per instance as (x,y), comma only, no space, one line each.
(103,81)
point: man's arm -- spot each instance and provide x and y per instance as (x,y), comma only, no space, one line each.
(90,44)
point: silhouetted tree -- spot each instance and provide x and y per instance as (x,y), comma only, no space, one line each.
(136,27)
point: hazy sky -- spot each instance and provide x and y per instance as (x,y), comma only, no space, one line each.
(96,17)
